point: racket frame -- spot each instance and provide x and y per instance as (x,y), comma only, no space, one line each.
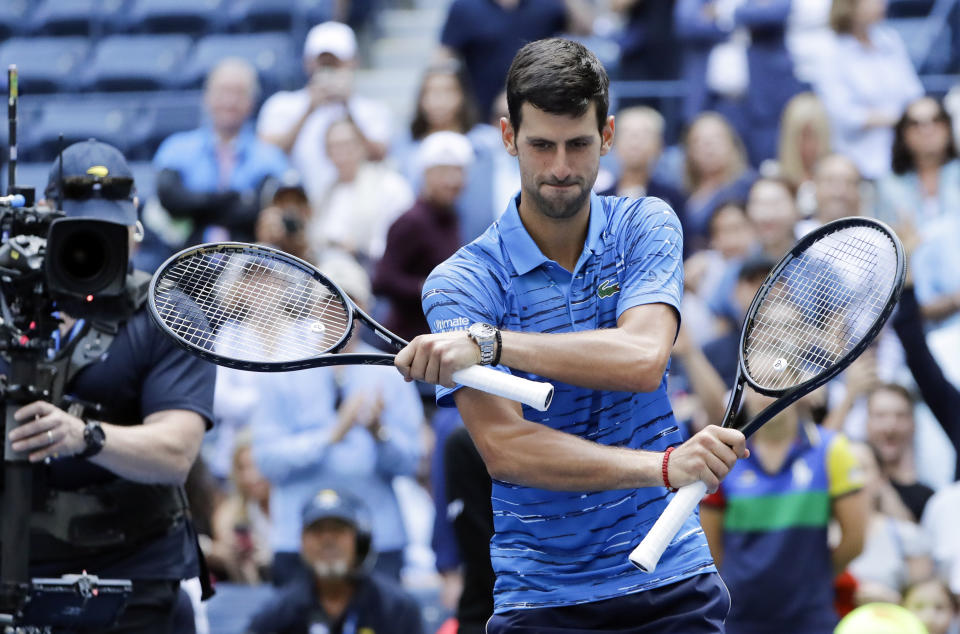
(329,357)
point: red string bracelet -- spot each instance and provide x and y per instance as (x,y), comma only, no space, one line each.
(663,469)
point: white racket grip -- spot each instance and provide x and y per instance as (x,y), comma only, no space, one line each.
(646,555)
(536,394)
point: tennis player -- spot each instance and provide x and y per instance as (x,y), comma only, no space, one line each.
(583,291)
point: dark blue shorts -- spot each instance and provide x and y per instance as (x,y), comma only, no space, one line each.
(697,605)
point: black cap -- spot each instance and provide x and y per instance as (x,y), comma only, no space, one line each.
(93,158)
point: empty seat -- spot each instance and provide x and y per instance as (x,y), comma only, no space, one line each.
(45,64)
(137,62)
(56,17)
(174,112)
(271,53)
(121,122)
(261,15)
(175,16)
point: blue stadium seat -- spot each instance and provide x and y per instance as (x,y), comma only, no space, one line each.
(137,62)
(262,15)
(175,16)
(169,113)
(315,11)
(56,17)
(12,14)
(28,175)
(272,53)
(120,120)
(45,64)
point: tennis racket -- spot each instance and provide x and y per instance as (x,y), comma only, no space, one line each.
(256,308)
(817,311)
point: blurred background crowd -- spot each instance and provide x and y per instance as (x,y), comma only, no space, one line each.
(363,135)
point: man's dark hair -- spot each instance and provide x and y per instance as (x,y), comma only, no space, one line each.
(557,76)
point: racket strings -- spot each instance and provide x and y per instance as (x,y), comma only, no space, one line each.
(820,306)
(253,308)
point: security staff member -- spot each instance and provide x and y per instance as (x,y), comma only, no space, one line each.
(336,592)
(107,491)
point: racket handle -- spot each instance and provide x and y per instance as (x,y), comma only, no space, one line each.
(646,555)
(536,394)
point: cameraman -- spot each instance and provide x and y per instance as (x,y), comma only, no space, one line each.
(107,488)
(285,214)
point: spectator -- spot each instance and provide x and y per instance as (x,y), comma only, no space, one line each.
(353,215)
(240,543)
(486,34)
(804,141)
(895,552)
(890,432)
(445,103)
(649,48)
(934,264)
(737,64)
(867,84)
(837,183)
(715,171)
(940,520)
(637,146)
(772,210)
(211,177)
(771,515)
(425,235)
(297,121)
(809,37)
(925,183)
(333,589)
(352,428)
(285,215)
(932,602)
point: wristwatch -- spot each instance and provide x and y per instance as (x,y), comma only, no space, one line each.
(94,437)
(485,336)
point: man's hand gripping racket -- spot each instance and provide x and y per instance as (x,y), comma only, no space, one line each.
(816,312)
(256,308)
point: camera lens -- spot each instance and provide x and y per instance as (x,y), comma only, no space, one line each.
(83,255)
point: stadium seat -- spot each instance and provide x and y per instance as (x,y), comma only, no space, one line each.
(272,54)
(121,121)
(28,175)
(315,11)
(169,113)
(137,62)
(12,18)
(261,15)
(56,17)
(175,16)
(45,64)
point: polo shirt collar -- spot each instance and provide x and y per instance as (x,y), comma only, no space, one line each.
(524,252)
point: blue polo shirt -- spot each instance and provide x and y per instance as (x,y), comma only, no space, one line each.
(554,548)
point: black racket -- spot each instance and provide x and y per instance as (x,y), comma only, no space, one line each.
(816,312)
(257,308)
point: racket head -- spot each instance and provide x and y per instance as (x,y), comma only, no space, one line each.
(820,307)
(250,307)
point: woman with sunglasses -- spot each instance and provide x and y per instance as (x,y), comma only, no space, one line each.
(925,183)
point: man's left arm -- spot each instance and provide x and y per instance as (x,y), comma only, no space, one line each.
(160,451)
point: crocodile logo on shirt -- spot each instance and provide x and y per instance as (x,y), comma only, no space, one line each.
(608,288)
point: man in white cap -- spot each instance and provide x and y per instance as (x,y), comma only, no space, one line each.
(297,121)
(426,235)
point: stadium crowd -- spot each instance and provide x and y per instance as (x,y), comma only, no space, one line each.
(794,114)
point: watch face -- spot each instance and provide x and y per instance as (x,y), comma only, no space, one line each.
(482,330)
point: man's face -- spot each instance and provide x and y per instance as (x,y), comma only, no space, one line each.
(890,425)
(638,141)
(442,184)
(837,189)
(329,546)
(229,100)
(559,157)
(771,210)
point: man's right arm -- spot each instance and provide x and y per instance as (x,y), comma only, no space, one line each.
(522,452)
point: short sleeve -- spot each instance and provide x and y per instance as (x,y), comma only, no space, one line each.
(456,295)
(843,469)
(177,380)
(652,248)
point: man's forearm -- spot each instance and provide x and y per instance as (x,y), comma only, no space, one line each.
(158,452)
(596,359)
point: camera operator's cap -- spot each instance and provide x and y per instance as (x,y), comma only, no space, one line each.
(445,148)
(329,503)
(93,158)
(335,38)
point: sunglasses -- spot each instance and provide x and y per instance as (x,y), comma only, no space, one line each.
(86,187)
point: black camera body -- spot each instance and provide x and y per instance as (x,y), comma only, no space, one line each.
(46,259)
